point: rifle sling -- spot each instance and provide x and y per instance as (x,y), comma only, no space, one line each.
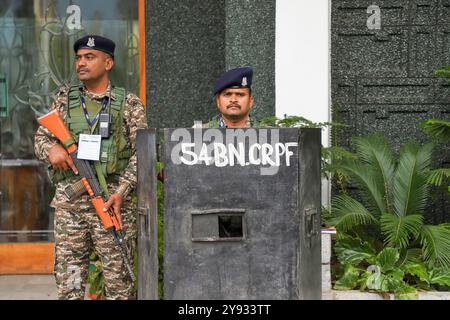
(101,178)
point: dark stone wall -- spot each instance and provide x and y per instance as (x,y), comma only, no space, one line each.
(250,41)
(190,43)
(383,80)
(185,54)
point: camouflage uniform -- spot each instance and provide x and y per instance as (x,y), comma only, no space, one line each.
(216,123)
(78,229)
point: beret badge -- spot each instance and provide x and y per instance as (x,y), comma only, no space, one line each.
(91,42)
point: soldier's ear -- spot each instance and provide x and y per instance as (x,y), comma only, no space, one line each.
(109,63)
(217,101)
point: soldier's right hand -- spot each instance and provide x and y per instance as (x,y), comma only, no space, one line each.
(60,159)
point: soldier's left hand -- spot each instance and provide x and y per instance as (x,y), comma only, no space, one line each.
(114,201)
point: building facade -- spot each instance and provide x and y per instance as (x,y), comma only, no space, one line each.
(370,63)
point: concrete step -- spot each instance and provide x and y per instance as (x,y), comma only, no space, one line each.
(27,287)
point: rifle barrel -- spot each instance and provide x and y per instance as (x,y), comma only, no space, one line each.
(85,171)
(118,238)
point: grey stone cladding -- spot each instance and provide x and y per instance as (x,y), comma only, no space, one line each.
(190,43)
(382,75)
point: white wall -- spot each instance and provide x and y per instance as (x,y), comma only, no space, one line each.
(302,60)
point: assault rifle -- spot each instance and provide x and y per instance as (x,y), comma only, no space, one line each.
(110,220)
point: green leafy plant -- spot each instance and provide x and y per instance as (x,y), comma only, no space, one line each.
(329,154)
(380,225)
(293,122)
(443,72)
(385,271)
(439,130)
(96,279)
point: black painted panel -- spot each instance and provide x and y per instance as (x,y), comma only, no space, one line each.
(277,256)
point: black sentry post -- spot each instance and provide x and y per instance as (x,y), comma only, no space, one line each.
(309,195)
(148,215)
(231,232)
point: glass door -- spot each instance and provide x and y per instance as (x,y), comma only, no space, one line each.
(36,57)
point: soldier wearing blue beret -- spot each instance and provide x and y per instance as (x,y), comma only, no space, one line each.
(234,99)
(94,42)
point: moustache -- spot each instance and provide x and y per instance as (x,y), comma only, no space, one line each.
(233,105)
(82,69)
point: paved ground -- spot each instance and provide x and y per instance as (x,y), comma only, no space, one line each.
(27,287)
(42,287)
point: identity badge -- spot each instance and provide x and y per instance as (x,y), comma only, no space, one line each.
(89,146)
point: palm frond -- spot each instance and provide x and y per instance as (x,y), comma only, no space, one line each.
(331,158)
(398,230)
(336,154)
(437,128)
(445,225)
(410,190)
(375,151)
(369,185)
(437,176)
(435,241)
(443,72)
(349,213)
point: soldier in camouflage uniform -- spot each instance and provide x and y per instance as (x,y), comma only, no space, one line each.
(234,100)
(78,228)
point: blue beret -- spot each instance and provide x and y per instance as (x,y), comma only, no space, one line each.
(234,78)
(94,42)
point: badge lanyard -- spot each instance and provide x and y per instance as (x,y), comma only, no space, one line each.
(92,124)
(86,114)
(221,123)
